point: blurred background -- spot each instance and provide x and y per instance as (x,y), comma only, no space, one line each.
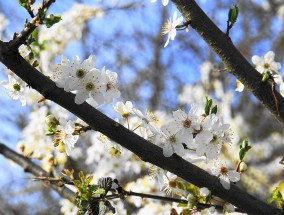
(125,36)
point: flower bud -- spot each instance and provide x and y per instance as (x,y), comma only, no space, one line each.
(51,121)
(243,167)
(61,147)
(229,208)
(204,191)
(21,147)
(115,153)
(191,200)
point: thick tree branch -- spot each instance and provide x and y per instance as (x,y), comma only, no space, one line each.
(145,150)
(231,57)
(29,166)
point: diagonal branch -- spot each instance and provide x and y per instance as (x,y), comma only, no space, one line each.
(31,167)
(231,57)
(147,151)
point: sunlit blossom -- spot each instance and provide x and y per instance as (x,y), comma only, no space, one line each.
(266,63)
(170,27)
(226,176)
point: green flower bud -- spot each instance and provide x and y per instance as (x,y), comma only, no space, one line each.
(61,147)
(51,121)
(233,14)
(115,153)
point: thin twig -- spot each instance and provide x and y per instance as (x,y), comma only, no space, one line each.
(31,26)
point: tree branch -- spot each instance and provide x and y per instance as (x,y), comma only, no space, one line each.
(31,26)
(29,166)
(147,151)
(234,61)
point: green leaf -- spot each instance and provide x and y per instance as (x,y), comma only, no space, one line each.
(214,110)
(208,105)
(266,76)
(182,205)
(82,176)
(244,148)
(233,14)
(242,153)
(89,179)
(100,191)
(52,20)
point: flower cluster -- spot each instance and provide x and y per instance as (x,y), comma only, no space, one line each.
(87,82)
(193,135)
(192,132)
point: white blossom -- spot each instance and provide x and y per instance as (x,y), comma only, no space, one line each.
(91,86)
(69,75)
(170,27)
(123,109)
(112,91)
(172,143)
(220,170)
(147,119)
(66,134)
(266,63)
(186,123)
(14,89)
(210,139)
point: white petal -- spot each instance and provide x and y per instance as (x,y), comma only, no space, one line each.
(234,176)
(203,137)
(80,98)
(269,57)
(256,60)
(168,151)
(225,182)
(179,149)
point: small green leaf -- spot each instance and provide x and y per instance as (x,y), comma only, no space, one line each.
(82,176)
(233,14)
(208,105)
(242,153)
(51,20)
(100,191)
(244,148)
(182,205)
(266,76)
(214,110)
(77,183)
(89,179)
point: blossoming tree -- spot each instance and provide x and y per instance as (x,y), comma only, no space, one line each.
(198,155)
